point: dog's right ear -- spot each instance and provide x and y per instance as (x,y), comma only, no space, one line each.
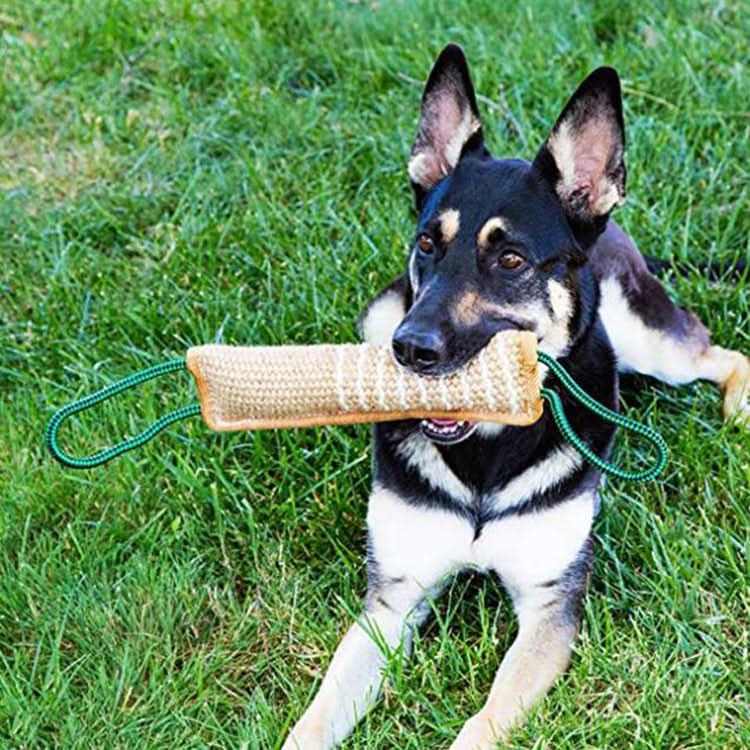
(448,124)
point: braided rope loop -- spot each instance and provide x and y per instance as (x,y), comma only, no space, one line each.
(558,414)
(102,456)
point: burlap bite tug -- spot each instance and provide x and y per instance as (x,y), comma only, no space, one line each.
(261,387)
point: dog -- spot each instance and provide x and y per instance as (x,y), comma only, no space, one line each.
(506,244)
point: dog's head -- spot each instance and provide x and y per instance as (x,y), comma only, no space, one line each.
(501,243)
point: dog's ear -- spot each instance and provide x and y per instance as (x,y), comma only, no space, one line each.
(448,122)
(583,157)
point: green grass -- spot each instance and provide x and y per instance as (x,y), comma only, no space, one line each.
(173,173)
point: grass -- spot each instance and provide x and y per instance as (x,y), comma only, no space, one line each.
(175,173)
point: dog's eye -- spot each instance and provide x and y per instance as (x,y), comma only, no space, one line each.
(511,261)
(425,244)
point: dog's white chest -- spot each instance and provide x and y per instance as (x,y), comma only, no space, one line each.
(536,547)
(526,549)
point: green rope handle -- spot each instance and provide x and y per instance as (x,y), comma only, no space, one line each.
(558,414)
(174,365)
(102,456)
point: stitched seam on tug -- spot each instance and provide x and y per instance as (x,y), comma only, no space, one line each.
(505,368)
(340,379)
(444,395)
(468,401)
(402,390)
(486,380)
(361,354)
(380,378)
(423,393)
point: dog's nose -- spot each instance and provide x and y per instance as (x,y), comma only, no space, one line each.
(422,351)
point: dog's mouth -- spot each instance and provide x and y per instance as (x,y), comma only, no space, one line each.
(447,431)
(453,431)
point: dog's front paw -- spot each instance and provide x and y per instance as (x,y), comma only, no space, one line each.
(478,733)
(308,735)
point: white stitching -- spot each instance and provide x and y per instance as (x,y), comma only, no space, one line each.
(379,378)
(486,380)
(360,377)
(340,378)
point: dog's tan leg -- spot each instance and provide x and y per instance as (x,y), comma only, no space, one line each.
(411,549)
(540,653)
(352,684)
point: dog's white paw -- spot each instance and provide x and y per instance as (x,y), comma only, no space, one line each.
(308,735)
(478,734)
(737,393)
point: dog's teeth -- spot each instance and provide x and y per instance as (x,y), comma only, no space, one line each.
(448,431)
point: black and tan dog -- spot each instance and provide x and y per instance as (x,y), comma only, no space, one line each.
(506,244)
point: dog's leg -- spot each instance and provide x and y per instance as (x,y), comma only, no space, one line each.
(352,684)
(544,560)
(538,656)
(653,336)
(407,560)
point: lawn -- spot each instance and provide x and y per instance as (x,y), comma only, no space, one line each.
(175,173)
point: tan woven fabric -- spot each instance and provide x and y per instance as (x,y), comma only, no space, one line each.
(246,388)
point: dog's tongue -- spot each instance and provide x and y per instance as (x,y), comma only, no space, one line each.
(444,422)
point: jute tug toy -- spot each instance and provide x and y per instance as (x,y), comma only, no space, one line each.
(268,387)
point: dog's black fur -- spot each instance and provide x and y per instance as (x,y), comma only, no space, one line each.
(554,240)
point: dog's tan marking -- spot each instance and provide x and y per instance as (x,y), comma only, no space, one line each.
(496,222)
(467,309)
(450,223)
(471,307)
(553,329)
(561,300)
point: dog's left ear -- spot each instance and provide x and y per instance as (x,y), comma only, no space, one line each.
(448,122)
(583,157)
